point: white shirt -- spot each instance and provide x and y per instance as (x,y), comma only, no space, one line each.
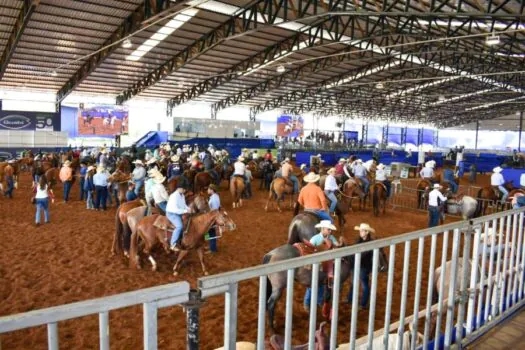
(426,172)
(148,156)
(177,204)
(139,173)
(497,179)
(368,164)
(380,175)
(433,197)
(330,183)
(41,194)
(159,193)
(522,180)
(239,168)
(345,169)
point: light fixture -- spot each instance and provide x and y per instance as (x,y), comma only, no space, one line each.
(54,73)
(500,124)
(127,44)
(281,69)
(380,85)
(492,40)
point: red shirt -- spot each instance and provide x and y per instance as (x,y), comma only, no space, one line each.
(268,156)
(339,169)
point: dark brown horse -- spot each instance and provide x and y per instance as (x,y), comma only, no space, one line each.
(253,166)
(350,190)
(236,190)
(489,194)
(122,230)
(379,198)
(201,181)
(224,175)
(52,176)
(200,224)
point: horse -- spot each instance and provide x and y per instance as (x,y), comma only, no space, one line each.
(236,190)
(422,188)
(202,181)
(277,281)
(349,191)
(224,175)
(379,198)
(193,239)
(278,188)
(124,165)
(122,179)
(253,166)
(52,176)
(466,205)
(122,229)
(488,193)
(40,167)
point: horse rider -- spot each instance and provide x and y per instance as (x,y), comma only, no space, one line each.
(315,164)
(215,204)
(255,155)
(148,155)
(158,192)
(209,167)
(360,172)
(267,174)
(340,168)
(312,197)
(448,176)
(427,173)
(239,168)
(211,148)
(148,186)
(66,176)
(348,169)
(497,181)
(175,208)
(382,178)
(138,176)
(325,228)
(330,187)
(225,160)
(434,198)
(287,173)
(9,172)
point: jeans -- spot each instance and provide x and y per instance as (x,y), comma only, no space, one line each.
(162,205)
(453,186)
(131,196)
(505,193)
(89,200)
(42,204)
(212,242)
(365,283)
(295,183)
(83,193)
(322,214)
(366,183)
(215,176)
(67,189)
(176,220)
(248,190)
(10,186)
(433,216)
(115,196)
(138,186)
(101,198)
(308,295)
(333,200)
(388,186)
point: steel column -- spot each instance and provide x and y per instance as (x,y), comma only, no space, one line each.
(521,129)
(477,131)
(192,320)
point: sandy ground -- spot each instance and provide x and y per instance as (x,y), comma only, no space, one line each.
(69,260)
(97,127)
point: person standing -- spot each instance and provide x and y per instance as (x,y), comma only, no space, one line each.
(268,155)
(497,180)
(66,176)
(174,210)
(89,187)
(330,187)
(100,180)
(138,176)
(312,197)
(267,174)
(9,177)
(215,204)
(248,183)
(83,172)
(42,196)
(433,205)
(340,168)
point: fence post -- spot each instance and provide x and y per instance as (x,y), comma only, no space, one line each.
(192,319)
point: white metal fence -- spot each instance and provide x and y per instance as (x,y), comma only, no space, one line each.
(480,281)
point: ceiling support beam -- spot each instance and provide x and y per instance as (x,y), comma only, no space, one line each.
(149,11)
(28,7)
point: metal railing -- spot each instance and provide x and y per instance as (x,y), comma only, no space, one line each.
(152,299)
(469,301)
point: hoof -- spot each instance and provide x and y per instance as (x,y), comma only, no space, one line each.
(154,268)
(206,273)
(175,274)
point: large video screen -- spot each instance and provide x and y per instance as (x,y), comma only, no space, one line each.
(290,126)
(103,120)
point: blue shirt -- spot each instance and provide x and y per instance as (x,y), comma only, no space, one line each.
(214,202)
(101,179)
(83,171)
(448,175)
(318,239)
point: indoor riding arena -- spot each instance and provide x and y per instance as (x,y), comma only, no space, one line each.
(290,174)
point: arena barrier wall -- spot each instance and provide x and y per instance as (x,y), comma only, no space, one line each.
(485,258)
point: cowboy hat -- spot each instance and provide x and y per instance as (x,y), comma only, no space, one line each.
(303,166)
(67,163)
(241,158)
(318,155)
(380,166)
(286,160)
(138,162)
(359,161)
(101,168)
(437,186)
(311,177)
(213,187)
(159,178)
(151,161)
(365,227)
(175,158)
(326,224)
(91,167)
(342,160)
(497,169)
(331,171)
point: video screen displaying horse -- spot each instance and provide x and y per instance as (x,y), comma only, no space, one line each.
(103,120)
(290,126)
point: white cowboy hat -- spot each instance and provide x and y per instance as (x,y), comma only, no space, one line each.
(359,161)
(303,166)
(148,151)
(342,160)
(159,178)
(331,171)
(286,160)
(138,162)
(437,186)
(318,155)
(175,158)
(154,172)
(497,169)
(101,169)
(151,161)
(380,166)
(67,163)
(365,227)
(311,177)
(91,167)
(326,224)
(241,158)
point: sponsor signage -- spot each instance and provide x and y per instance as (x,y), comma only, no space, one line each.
(31,121)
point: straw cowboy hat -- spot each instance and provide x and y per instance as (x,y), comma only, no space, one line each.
(380,166)
(311,177)
(151,161)
(331,171)
(175,158)
(213,187)
(286,160)
(303,166)
(365,227)
(67,163)
(342,160)
(437,186)
(101,168)
(153,172)
(89,168)
(326,224)
(159,178)
(497,169)
(138,162)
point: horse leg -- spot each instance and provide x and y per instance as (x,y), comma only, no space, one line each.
(274,297)
(201,258)
(182,255)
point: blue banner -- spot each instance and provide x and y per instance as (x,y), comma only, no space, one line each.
(428,136)
(412,136)
(351,135)
(30,121)
(394,135)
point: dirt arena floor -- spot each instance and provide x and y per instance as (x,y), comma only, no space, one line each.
(69,260)
(97,127)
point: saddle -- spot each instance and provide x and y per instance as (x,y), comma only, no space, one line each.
(288,181)
(306,248)
(163,223)
(321,340)
(382,185)
(497,192)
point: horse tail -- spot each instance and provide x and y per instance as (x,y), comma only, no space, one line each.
(375,199)
(266,260)
(293,233)
(133,252)
(117,240)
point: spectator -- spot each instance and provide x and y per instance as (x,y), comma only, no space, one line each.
(42,195)
(66,176)
(100,180)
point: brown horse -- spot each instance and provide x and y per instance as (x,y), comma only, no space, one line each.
(224,175)
(122,230)
(422,189)
(52,176)
(379,198)
(192,240)
(278,188)
(490,194)
(201,181)
(236,190)
(253,166)
(355,186)
(122,179)
(124,165)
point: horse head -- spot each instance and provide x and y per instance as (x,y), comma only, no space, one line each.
(224,221)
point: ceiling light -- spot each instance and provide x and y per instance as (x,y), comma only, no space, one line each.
(281,69)
(500,124)
(54,73)
(441,98)
(127,44)
(380,85)
(492,40)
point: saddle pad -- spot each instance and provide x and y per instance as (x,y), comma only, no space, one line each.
(304,248)
(163,223)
